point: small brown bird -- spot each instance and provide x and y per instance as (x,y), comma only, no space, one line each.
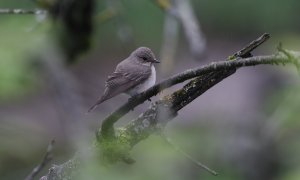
(132,76)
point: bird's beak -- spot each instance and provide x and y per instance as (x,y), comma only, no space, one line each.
(156,61)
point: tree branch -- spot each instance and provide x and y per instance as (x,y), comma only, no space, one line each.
(47,158)
(246,51)
(162,111)
(22,11)
(66,170)
(184,13)
(108,122)
(178,149)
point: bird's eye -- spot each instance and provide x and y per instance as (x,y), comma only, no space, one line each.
(144,58)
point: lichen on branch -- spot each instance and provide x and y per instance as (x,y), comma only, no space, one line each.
(115,145)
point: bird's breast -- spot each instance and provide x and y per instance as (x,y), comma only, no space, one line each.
(144,85)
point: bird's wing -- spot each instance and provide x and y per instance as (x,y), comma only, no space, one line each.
(124,78)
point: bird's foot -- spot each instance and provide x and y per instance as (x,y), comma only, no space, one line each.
(130,99)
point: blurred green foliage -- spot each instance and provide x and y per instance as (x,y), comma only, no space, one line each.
(17,43)
(19,143)
(155,160)
(231,18)
(241,17)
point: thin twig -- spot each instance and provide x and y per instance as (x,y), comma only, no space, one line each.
(22,11)
(47,158)
(290,56)
(178,149)
(246,51)
(108,122)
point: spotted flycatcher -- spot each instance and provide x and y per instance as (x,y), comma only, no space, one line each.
(132,76)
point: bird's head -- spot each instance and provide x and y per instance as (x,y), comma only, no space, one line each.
(144,55)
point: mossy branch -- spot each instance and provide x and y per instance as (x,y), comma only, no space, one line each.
(164,110)
(115,147)
(108,122)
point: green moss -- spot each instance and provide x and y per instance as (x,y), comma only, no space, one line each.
(231,58)
(112,150)
(124,136)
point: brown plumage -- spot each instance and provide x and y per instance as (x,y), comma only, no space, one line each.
(132,76)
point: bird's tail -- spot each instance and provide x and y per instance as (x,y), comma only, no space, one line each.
(95,105)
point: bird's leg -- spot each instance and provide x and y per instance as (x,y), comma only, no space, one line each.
(130,100)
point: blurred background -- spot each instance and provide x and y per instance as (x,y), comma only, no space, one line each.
(53,67)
